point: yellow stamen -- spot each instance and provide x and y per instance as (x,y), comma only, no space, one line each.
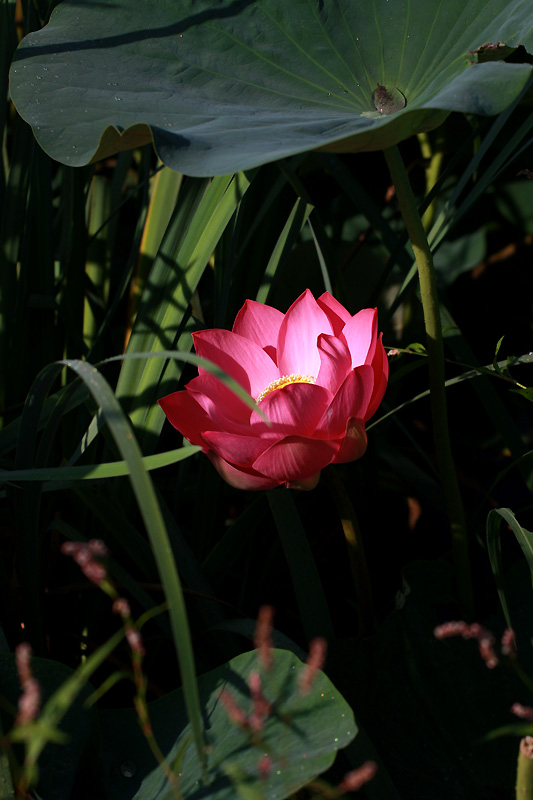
(284,381)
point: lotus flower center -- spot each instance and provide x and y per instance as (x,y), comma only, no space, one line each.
(284,381)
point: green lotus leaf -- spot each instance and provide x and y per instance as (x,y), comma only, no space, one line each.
(227,85)
(301,735)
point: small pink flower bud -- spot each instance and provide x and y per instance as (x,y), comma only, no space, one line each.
(23,661)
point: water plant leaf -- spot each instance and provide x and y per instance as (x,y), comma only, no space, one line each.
(301,736)
(220,88)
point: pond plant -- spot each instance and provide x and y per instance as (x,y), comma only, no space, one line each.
(332,201)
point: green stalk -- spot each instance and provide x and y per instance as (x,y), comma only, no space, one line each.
(524,775)
(356,552)
(435,347)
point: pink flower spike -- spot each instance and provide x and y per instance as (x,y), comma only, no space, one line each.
(134,640)
(98,548)
(83,554)
(262,708)
(448,629)
(486,650)
(315,661)
(30,699)
(485,639)
(354,780)
(122,607)
(317,375)
(233,710)
(523,712)
(508,643)
(264,766)
(263,636)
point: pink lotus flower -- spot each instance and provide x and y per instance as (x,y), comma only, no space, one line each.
(317,374)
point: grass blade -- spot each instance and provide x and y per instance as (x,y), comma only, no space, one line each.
(494,521)
(524,539)
(112,469)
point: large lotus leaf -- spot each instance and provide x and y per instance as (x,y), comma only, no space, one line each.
(227,85)
(301,736)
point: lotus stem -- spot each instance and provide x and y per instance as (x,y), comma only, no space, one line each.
(435,348)
(524,776)
(356,552)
